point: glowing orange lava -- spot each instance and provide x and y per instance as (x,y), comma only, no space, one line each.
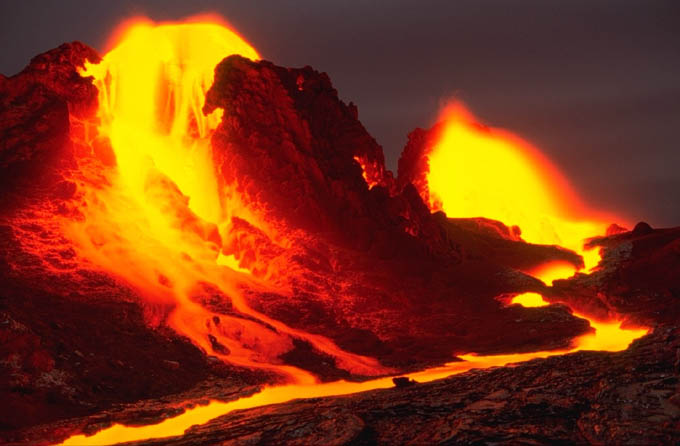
(607,337)
(158,220)
(482,172)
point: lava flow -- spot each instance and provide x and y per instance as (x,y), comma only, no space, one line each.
(156,215)
(476,171)
(607,337)
(158,218)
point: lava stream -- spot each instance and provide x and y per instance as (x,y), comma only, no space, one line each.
(607,337)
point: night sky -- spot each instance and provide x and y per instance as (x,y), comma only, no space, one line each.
(594,84)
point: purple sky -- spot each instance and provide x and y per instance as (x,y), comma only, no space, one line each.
(595,84)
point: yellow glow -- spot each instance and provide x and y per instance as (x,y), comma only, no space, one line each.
(530,300)
(231,262)
(157,223)
(608,336)
(481,172)
(152,86)
(553,271)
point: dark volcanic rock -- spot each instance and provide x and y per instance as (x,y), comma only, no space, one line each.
(482,238)
(35,110)
(375,271)
(639,278)
(291,145)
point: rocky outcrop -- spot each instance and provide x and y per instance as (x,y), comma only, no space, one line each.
(375,271)
(639,278)
(35,110)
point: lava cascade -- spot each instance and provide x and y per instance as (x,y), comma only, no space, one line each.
(157,219)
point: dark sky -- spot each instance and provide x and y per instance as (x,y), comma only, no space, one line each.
(595,84)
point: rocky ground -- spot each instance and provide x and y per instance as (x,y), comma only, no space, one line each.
(631,397)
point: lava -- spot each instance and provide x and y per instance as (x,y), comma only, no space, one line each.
(159,219)
(476,171)
(607,337)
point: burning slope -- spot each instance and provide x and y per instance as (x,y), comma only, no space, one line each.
(174,210)
(250,211)
(74,245)
(159,219)
(156,183)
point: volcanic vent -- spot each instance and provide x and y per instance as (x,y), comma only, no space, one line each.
(188,230)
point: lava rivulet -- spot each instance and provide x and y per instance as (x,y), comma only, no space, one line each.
(607,337)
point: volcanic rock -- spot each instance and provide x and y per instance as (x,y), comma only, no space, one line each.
(35,122)
(639,278)
(375,269)
(366,265)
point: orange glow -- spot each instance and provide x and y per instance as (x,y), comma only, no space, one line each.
(608,336)
(554,270)
(370,183)
(530,300)
(482,172)
(159,221)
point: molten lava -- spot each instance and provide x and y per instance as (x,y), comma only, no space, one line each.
(608,335)
(152,88)
(159,219)
(476,171)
